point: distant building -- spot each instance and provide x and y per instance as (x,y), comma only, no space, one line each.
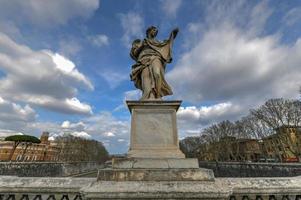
(284,145)
(231,149)
(249,149)
(45,151)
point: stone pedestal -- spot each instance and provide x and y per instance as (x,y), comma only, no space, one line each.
(154,153)
(154,129)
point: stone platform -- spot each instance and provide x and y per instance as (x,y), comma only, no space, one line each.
(139,169)
(155,175)
(42,188)
(155,163)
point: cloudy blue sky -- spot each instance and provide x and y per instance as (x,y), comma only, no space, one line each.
(64,64)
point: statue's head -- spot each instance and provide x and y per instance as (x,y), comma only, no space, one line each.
(151,32)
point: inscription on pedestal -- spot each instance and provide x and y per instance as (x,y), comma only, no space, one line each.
(154,128)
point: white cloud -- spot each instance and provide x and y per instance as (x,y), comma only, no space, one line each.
(227,64)
(65,124)
(132,95)
(99,40)
(109,134)
(114,78)
(47,13)
(207,113)
(258,17)
(170,7)
(79,126)
(132,24)
(233,63)
(102,126)
(41,78)
(51,138)
(69,47)
(192,119)
(293,16)
(14,112)
(67,67)
(10,28)
(105,122)
(75,105)
(81,134)
(6,133)
(15,118)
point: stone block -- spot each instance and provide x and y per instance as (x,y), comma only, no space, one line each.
(154,129)
(155,163)
(155,175)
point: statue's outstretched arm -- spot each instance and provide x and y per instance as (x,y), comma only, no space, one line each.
(174,33)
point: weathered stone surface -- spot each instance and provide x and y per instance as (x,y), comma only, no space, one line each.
(42,184)
(221,188)
(88,188)
(263,186)
(156,190)
(155,163)
(154,129)
(244,169)
(42,169)
(155,175)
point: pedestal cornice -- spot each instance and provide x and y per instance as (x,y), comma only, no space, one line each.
(154,103)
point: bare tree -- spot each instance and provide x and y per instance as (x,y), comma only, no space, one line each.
(276,113)
(80,149)
(223,140)
(279,112)
(190,146)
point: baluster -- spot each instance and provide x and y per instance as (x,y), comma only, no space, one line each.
(259,197)
(65,197)
(77,197)
(51,197)
(37,197)
(25,197)
(11,197)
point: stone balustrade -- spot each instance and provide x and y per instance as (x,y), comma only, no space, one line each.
(42,188)
(46,169)
(252,169)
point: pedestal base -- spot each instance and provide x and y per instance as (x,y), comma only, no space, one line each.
(155,153)
(155,163)
(155,175)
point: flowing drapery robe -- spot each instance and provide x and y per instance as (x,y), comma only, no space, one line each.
(151,54)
